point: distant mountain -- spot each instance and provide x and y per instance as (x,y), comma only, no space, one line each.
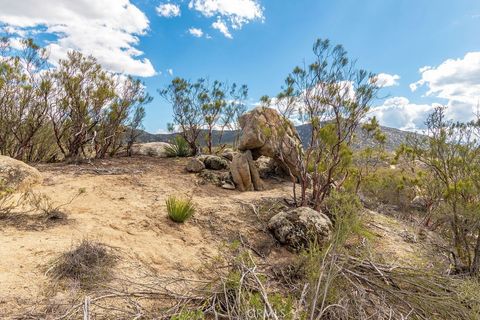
(395,137)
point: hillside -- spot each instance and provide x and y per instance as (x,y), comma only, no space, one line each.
(395,137)
(123,206)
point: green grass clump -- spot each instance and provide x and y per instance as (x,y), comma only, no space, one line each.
(179,210)
(178,148)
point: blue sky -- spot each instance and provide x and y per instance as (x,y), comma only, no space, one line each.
(266,39)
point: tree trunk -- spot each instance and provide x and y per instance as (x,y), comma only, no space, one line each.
(475,269)
(210,141)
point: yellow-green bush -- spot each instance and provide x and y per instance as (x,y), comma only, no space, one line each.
(179,210)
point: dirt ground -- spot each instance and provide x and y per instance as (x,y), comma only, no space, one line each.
(123,206)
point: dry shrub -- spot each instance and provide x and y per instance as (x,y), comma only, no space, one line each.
(87,264)
(32,211)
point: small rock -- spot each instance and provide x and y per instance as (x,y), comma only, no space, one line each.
(298,227)
(228,155)
(195,165)
(228,186)
(214,162)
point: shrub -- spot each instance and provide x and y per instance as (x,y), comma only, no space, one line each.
(179,147)
(179,210)
(390,186)
(87,264)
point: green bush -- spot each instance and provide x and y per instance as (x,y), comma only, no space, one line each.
(179,148)
(179,210)
(390,186)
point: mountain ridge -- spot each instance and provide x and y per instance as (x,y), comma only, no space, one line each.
(395,137)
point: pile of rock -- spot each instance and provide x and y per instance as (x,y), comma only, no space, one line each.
(265,132)
(210,162)
(212,169)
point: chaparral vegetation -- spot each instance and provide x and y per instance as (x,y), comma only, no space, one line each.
(301,206)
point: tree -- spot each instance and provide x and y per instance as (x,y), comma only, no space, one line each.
(235,107)
(450,154)
(332,96)
(83,90)
(93,107)
(122,118)
(368,159)
(212,109)
(24,100)
(187,100)
(202,106)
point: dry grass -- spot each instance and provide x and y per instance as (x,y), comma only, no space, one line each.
(88,264)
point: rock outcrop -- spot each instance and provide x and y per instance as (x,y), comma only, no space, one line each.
(151,149)
(299,227)
(245,173)
(17,175)
(265,132)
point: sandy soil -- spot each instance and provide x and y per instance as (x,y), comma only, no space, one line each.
(124,207)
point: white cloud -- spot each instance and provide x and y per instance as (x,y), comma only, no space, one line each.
(387,80)
(170,72)
(399,112)
(229,13)
(456,80)
(168,10)
(107,29)
(222,27)
(196,32)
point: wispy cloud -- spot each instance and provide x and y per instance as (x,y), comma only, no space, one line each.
(196,32)
(230,13)
(168,10)
(387,80)
(222,27)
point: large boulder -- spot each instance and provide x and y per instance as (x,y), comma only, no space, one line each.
(297,228)
(214,162)
(267,133)
(17,175)
(245,173)
(195,165)
(151,149)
